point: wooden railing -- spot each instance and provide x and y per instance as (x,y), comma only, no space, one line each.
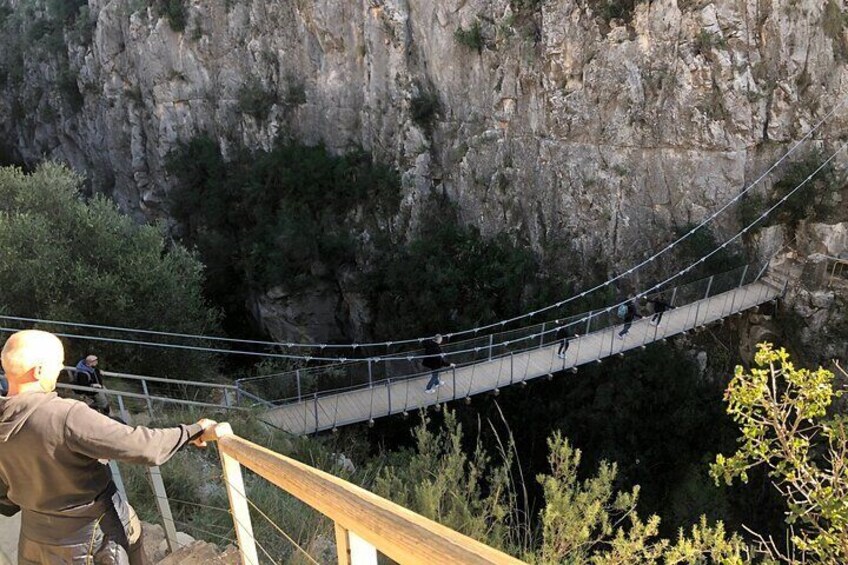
(364,522)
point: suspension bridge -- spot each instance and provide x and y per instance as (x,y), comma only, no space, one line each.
(535,355)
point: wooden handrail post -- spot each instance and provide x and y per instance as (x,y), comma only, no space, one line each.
(342,545)
(238,501)
(352,549)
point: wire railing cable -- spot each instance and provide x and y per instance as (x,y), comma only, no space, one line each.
(474,330)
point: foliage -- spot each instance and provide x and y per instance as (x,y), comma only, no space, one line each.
(65,259)
(280,217)
(609,10)
(783,416)
(590,521)
(699,244)
(834,22)
(471,37)
(175,11)
(448,277)
(458,488)
(424,108)
(256,100)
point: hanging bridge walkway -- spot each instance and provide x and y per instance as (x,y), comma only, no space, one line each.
(490,363)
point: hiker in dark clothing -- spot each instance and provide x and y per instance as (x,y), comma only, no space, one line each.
(629,316)
(562,334)
(435,361)
(50,463)
(659,306)
(89,375)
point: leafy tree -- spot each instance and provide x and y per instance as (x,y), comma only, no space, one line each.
(590,521)
(443,482)
(783,414)
(65,259)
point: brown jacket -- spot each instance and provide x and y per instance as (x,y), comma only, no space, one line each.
(49,451)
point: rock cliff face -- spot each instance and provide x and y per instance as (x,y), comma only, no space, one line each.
(550,118)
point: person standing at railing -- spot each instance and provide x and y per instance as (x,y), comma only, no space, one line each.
(51,462)
(434,359)
(89,375)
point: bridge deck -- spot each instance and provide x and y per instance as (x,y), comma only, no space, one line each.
(396,396)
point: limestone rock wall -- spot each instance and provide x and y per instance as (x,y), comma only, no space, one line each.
(554,121)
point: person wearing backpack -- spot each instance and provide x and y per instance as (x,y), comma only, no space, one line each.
(627,311)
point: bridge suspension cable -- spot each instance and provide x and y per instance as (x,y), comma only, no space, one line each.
(501,323)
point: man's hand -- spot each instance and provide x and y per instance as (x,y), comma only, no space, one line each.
(453,365)
(95,385)
(208,432)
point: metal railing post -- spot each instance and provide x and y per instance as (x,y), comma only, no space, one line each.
(147,397)
(542,336)
(588,322)
(234,483)
(389,392)
(238,392)
(709,286)
(315,406)
(673,296)
(117,478)
(370,375)
(491,341)
(744,273)
(163,506)
(511,367)
(299,394)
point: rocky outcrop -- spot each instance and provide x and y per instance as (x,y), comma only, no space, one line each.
(547,118)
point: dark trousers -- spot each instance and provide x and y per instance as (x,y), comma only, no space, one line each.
(657,317)
(563,346)
(113,538)
(626,328)
(434,379)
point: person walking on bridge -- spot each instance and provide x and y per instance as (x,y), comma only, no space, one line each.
(660,306)
(564,335)
(435,361)
(51,469)
(629,315)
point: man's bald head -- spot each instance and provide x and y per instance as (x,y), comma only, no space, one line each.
(31,356)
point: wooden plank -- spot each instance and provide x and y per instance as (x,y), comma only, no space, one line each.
(395,531)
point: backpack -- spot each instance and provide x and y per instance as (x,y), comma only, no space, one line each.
(622,311)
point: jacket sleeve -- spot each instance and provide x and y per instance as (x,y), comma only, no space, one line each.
(90,433)
(7,507)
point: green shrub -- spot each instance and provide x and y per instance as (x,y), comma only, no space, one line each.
(175,11)
(609,10)
(471,37)
(67,85)
(268,218)
(424,108)
(448,277)
(65,259)
(255,100)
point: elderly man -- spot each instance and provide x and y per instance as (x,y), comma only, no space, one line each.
(50,449)
(89,375)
